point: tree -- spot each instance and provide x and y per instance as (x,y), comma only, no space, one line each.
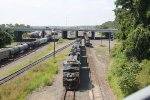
(5,38)
(133,17)
(108,25)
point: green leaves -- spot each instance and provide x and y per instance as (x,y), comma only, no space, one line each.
(5,38)
(131,67)
(138,43)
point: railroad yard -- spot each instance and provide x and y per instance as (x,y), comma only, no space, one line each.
(75,50)
(93,86)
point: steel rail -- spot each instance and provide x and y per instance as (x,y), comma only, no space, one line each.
(69,96)
(20,71)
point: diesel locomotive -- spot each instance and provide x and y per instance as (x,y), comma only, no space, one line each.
(71,71)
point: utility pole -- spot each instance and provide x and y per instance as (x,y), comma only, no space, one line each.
(109,42)
(54,44)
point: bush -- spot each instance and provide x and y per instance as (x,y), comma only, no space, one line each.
(144,75)
(127,81)
(117,51)
(123,73)
(138,44)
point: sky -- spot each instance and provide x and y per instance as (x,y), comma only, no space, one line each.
(56,12)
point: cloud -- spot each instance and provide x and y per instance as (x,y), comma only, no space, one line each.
(54,12)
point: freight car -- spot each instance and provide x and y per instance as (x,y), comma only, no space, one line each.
(10,52)
(56,36)
(36,34)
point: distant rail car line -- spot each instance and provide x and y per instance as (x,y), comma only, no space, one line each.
(13,52)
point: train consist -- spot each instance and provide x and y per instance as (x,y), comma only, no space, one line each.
(50,34)
(71,71)
(11,52)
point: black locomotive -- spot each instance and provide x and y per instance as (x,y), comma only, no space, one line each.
(71,71)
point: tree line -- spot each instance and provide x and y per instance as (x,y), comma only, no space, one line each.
(130,68)
(6,37)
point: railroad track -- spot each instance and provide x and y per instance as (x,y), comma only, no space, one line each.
(96,91)
(17,73)
(69,95)
(3,64)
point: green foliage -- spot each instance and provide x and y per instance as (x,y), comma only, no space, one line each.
(5,38)
(108,25)
(18,25)
(124,73)
(130,68)
(144,75)
(2,26)
(138,44)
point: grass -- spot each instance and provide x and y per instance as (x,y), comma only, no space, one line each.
(32,59)
(114,83)
(41,75)
(61,40)
(12,44)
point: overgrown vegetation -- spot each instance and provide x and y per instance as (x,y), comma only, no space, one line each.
(41,75)
(130,67)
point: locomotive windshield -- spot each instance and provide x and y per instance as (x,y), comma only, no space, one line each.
(71,65)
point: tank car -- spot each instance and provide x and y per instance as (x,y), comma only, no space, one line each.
(23,47)
(4,53)
(71,73)
(42,41)
(14,51)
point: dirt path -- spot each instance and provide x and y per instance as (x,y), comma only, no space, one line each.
(21,60)
(53,92)
(101,60)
